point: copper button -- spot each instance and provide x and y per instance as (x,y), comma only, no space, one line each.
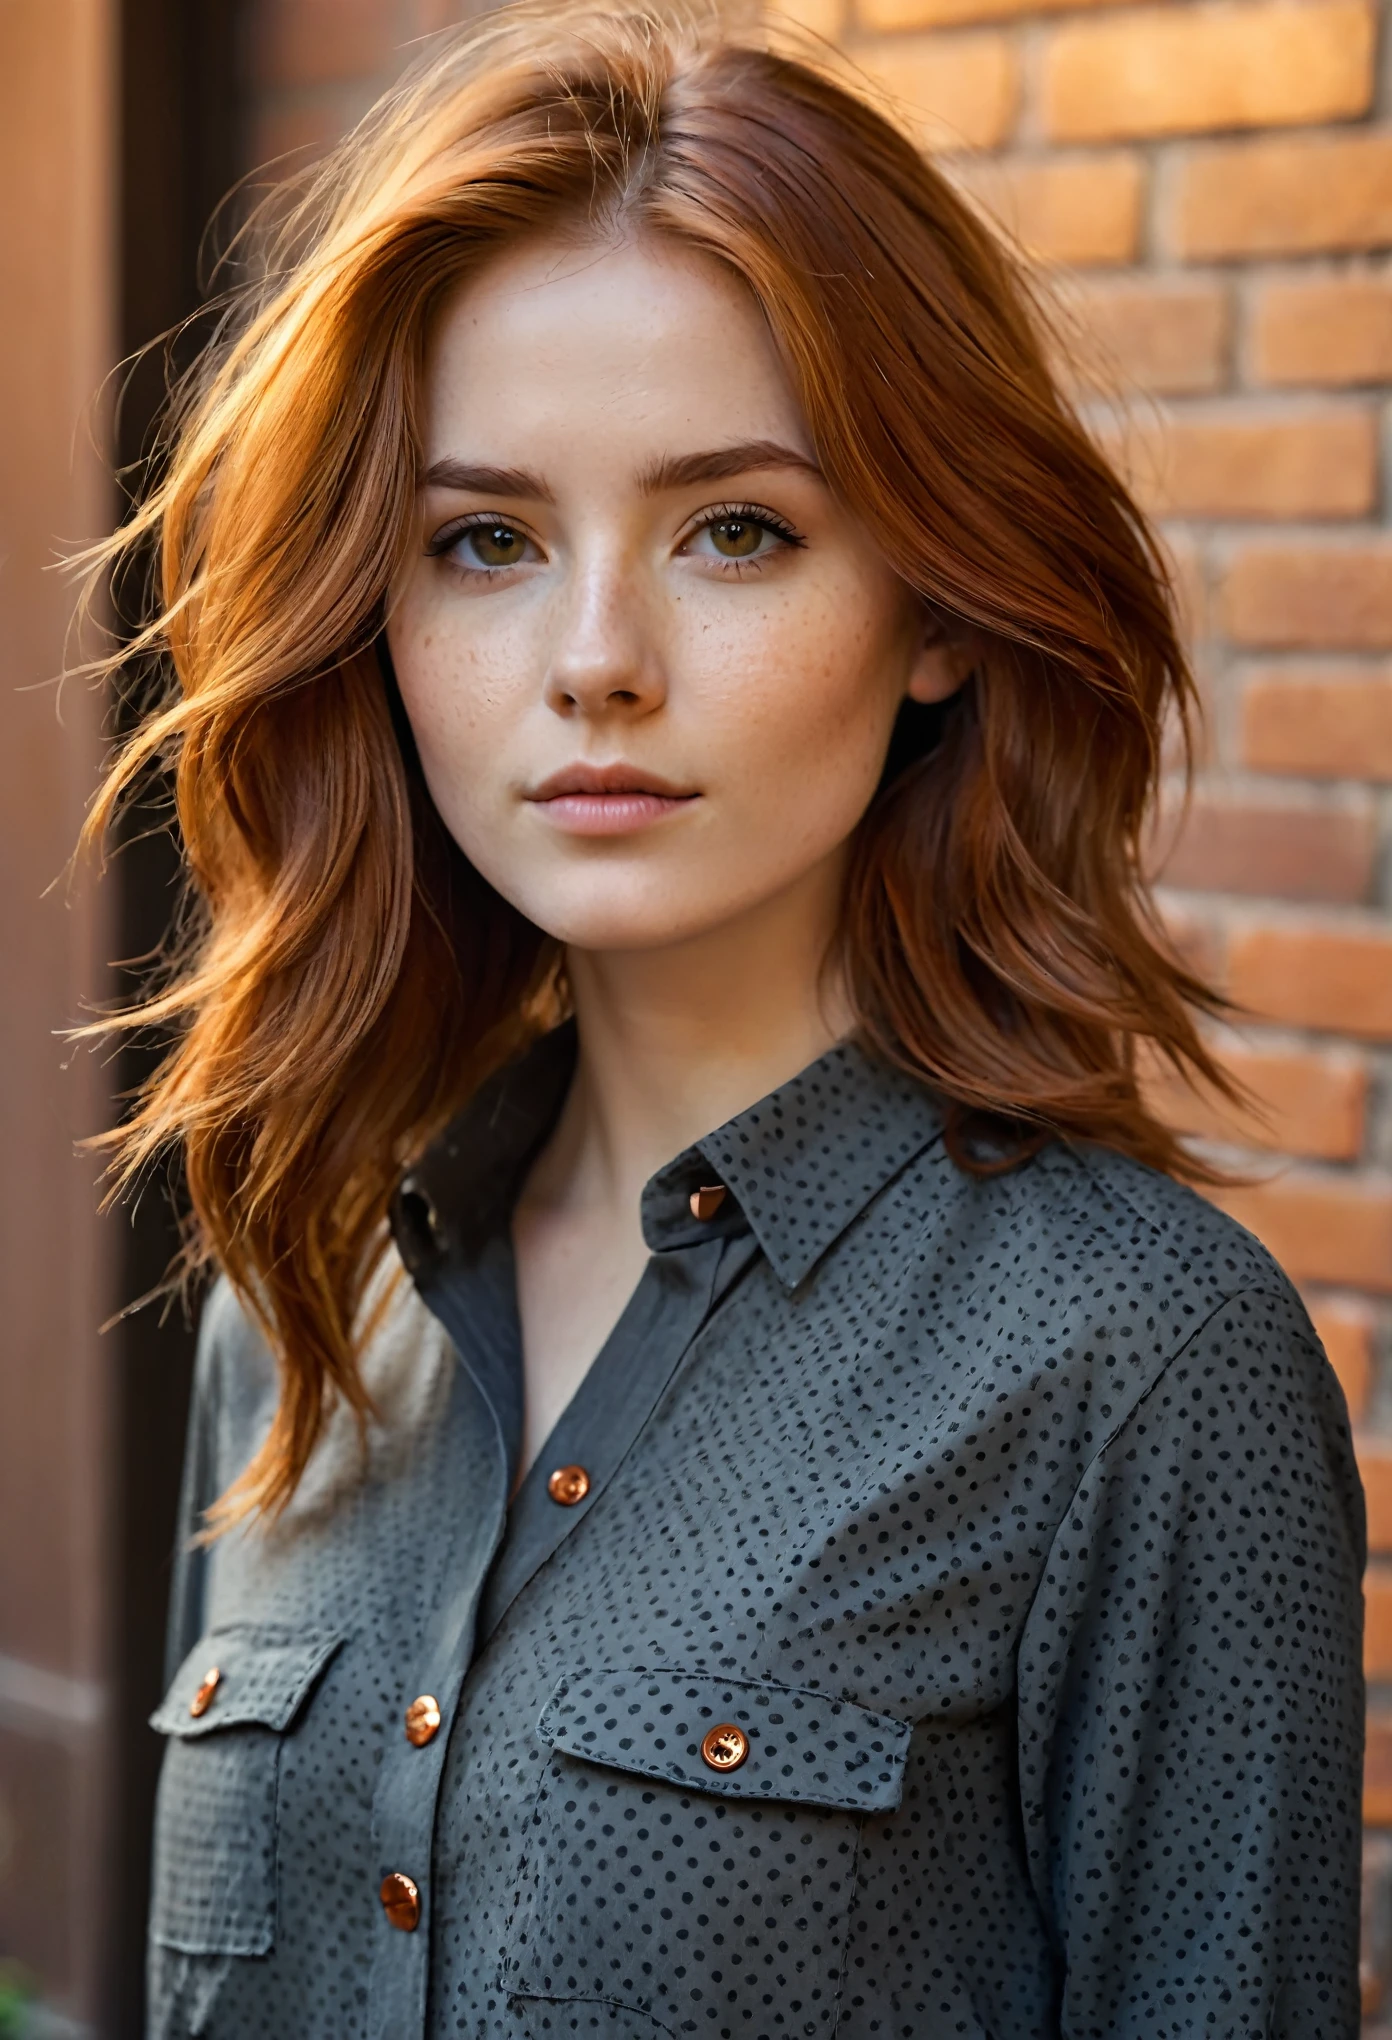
(726,1747)
(203,1698)
(706,1201)
(568,1485)
(422,1720)
(400,1898)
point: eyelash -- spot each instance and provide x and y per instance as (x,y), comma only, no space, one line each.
(451,533)
(749,513)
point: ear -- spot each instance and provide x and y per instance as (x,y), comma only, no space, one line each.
(944,660)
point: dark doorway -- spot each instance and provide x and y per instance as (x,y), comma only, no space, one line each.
(180,117)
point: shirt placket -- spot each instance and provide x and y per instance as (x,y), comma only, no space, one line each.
(408,1791)
(408,1784)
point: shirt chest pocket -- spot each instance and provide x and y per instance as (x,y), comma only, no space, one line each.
(226,1716)
(692,1850)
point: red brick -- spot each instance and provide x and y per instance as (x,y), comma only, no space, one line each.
(1319,723)
(1203,753)
(1285,197)
(1195,938)
(897,14)
(1336,978)
(1188,572)
(1301,1103)
(1346,1333)
(1178,70)
(1311,595)
(1312,465)
(323,42)
(1377,1772)
(1377,1622)
(1166,337)
(1080,210)
(1375,1466)
(1330,330)
(958,91)
(1228,844)
(1335,1229)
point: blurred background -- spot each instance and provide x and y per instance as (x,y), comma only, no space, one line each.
(1207,187)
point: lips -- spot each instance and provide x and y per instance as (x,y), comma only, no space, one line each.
(607,800)
(608,779)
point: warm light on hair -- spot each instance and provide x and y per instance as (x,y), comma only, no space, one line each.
(353,977)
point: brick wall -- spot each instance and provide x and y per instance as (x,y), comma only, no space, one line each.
(1210,182)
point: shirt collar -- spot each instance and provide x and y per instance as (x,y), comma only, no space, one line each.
(797,1168)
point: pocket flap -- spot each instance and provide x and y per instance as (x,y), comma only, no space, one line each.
(801,1746)
(247,1673)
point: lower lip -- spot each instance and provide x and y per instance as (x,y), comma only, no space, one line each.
(610,814)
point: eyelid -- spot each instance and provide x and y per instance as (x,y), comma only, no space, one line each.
(773,521)
(472,520)
(752,513)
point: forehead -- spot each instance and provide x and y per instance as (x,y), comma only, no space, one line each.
(645,344)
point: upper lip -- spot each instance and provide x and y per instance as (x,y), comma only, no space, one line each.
(616,778)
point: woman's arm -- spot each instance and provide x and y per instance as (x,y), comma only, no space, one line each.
(1191,1702)
(184,1624)
(203,1477)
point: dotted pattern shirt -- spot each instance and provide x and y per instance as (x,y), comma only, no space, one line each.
(1011,1522)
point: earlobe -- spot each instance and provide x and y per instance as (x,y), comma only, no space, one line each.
(942,665)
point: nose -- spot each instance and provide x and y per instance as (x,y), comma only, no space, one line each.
(604,660)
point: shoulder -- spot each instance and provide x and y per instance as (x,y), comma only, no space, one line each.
(1089,1224)
(1235,1325)
(1121,1229)
(1234,1412)
(1154,1224)
(1084,1275)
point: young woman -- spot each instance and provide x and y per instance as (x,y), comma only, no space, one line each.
(825,1534)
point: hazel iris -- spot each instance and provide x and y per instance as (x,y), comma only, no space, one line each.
(736,537)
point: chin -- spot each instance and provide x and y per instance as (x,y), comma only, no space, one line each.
(608,933)
(612,918)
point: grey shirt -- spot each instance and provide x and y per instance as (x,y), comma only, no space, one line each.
(1004,1529)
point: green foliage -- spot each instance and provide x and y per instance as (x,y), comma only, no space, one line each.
(16,1997)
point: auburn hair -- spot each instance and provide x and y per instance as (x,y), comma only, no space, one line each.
(348,978)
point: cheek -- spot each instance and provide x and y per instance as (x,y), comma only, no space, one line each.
(810,699)
(458,700)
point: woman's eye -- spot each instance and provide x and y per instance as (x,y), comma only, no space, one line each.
(740,535)
(484,546)
(491,545)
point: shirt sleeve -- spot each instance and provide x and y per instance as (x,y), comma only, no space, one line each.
(1191,1702)
(199,1487)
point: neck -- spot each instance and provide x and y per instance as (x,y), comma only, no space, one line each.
(675,1041)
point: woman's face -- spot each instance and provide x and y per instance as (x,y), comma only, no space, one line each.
(651,663)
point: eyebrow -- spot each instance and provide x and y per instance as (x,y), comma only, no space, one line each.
(485,481)
(675,471)
(745,457)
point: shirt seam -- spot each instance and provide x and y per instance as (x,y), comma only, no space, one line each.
(1085,1162)
(1192,1332)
